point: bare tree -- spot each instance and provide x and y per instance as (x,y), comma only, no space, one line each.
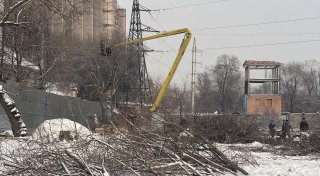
(26,34)
(310,84)
(226,81)
(25,40)
(291,80)
(205,98)
(17,124)
(310,76)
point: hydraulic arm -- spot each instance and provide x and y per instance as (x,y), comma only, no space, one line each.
(175,64)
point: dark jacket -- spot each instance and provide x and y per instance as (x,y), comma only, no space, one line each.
(287,127)
(304,126)
(283,127)
(271,126)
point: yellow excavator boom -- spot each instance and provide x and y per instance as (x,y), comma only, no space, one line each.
(175,64)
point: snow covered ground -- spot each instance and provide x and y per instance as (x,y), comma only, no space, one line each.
(259,161)
(275,165)
(270,164)
(55,89)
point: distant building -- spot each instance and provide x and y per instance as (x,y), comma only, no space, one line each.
(89,23)
(262,87)
(101,19)
(97,20)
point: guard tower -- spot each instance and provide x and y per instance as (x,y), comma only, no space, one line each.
(262,87)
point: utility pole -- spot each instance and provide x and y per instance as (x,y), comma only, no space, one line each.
(193,76)
(135,32)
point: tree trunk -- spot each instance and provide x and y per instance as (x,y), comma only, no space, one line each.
(17,125)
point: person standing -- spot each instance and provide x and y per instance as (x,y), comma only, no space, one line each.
(282,129)
(272,130)
(287,129)
(304,126)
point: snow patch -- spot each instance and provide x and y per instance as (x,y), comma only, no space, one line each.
(7,133)
(22,125)
(186,134)
(6,98)
(25,63)
(116,111)
(14,110)
(50,130)
(256,144)
(54,88)
(270,164)
(23,132)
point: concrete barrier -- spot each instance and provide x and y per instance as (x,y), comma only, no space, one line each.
(36,106)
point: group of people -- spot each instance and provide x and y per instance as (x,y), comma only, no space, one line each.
(287,128)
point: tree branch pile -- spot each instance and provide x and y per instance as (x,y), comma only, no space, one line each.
(229,128)
(118,153)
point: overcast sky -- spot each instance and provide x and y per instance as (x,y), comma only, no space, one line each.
(280,30)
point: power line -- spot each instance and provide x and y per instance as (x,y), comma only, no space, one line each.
(156,21)
(257,24)
(248,46)
(198,50)
(161,26)
(156,60)
(258,45)
(164,64)
(191,5)
(257,34)
(209,53)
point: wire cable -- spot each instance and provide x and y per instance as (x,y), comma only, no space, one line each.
(257,24)
(257,34)
(204,50)
(259,45)
(164,64)
(191,5)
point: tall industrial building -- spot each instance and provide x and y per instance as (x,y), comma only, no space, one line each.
(100,19)
(95,20)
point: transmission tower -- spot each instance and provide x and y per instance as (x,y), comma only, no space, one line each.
(135,32)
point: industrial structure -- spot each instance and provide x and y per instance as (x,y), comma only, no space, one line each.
(261,94)
(101,19)
(89,21)
(136,30)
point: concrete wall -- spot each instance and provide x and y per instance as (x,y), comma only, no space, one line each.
(36,106)
(312,118)
(263,105)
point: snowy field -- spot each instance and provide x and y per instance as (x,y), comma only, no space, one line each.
(275,165)
(265,163)
(256,158)
(270,164)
